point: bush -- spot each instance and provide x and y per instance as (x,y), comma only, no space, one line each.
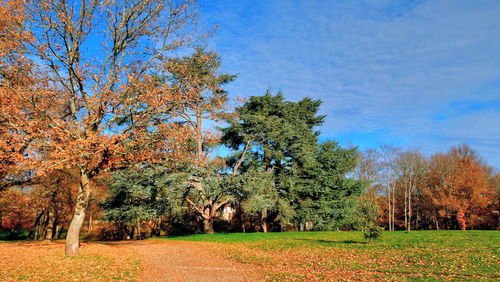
(373,233)
(7,235)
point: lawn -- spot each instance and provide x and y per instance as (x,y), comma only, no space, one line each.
(417,255)
(437,255)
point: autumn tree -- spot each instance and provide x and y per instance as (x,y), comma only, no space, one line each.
(91,103)
(14,77)
(458,186)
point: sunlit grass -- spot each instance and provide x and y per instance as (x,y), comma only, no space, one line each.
(416,254)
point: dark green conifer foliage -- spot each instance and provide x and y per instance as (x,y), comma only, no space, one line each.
(139,195)
(278,137)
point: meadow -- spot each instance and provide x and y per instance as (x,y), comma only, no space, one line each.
(437,255)
(416,255)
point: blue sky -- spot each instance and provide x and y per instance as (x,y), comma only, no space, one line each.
(405,73)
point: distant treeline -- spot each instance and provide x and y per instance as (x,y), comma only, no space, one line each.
(452,190)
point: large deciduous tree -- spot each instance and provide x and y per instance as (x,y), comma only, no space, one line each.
(88,101)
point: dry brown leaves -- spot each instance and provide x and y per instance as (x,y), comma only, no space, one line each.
(45,261)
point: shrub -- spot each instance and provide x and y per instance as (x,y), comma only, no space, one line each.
(373,233)
(7,235)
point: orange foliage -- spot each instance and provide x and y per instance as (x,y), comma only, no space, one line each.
(458,186)
(70,112)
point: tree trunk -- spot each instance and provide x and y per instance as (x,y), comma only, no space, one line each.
(138,231)
(50,225)
(393,206)
(90,224)
(73,236)
(406,210)
(208,226)
(242,157)
(409,211)
(264,221)
(199,139)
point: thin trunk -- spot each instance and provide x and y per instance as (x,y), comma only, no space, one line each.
(388,206)
(50,225)
(208,225)
(264,220)
(36,228)
(138,234)
(242,157)
(436,222)
(242,221)
(409,211)
(393,207)
(406,208)
(90,223)
(199,139)
(73,236)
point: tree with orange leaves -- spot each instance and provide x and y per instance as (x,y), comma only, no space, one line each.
(15,70)
(457,185)
(89,107)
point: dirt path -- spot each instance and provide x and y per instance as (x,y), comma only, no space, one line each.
(189,261)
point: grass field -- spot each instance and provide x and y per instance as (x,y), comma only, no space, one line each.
(436,255)
(417,255)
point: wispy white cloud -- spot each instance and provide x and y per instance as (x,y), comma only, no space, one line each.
(397,67)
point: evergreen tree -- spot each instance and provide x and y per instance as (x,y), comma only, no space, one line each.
(278,137)
(139,195)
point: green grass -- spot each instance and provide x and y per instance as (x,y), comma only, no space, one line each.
(408,255)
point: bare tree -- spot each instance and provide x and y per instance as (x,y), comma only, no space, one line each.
(389,170)
(410,166)
(368,168)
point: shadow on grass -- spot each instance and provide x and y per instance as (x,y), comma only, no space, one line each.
(329,242)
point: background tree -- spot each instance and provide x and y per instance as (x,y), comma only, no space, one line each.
(327,195)
(217,191)
(273,135)
(277,137)
(260,195)
(410,167)
(197,79)
(457,184)
(139,195)
(15,76)
(389,155)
